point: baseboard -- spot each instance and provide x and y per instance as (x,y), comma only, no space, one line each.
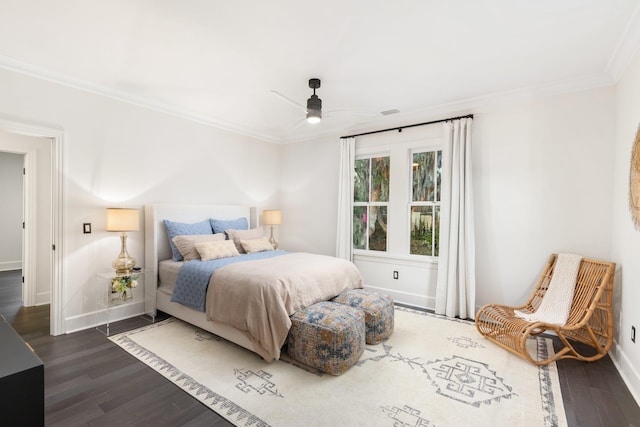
(406,298)
(10,265)
(43,298)
(90,320)
(627,371)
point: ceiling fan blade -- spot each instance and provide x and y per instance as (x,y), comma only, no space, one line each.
(352,112)
(300,123)
(289,100)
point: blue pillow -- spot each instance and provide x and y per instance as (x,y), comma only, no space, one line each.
(181,229)
(220,225)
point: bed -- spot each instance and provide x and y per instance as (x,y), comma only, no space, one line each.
(162,272)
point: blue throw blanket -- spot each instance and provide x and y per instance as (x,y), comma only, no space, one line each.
(193,277)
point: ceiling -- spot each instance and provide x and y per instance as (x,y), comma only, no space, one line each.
(218,61)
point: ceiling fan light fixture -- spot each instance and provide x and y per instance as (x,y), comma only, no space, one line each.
(314,116)
(314,109)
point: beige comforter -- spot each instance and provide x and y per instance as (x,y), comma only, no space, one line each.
(257,297)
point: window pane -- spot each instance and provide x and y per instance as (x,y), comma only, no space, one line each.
(359,227)
(423,176)
(422,229)
(361,181)
(380,179)
(378,228)
(438,175)
(436,233)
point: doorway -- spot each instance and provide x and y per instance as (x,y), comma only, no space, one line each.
(11,250)
(42,248)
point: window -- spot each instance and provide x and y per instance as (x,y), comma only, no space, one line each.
(396,210)
(371,203)
(425,202)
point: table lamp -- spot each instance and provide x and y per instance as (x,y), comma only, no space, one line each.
(272,217)
(123,220)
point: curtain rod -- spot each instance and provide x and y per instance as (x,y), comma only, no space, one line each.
(399,128)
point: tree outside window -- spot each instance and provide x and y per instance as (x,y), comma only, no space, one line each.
(370,203)
(425,203)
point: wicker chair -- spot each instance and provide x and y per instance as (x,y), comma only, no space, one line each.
(590,319)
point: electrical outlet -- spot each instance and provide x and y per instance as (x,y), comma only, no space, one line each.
(633,334)
(395,274)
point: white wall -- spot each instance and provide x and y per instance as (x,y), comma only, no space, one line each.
(543,173)
(11,212)
(308,197)
(118,154)
(625,238)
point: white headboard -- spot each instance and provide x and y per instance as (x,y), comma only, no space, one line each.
(156,247)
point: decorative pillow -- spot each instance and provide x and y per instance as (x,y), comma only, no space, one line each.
(187,244)
(220,225)
(237,235)
(182,229)
(256,245)
(216,250)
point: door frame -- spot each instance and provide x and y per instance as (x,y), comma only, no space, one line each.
(55,135)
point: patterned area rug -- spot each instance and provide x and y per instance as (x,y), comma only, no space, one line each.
(432,371)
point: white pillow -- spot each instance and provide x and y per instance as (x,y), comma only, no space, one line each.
(216,250)
(237,235)
(186,243)
(256,245)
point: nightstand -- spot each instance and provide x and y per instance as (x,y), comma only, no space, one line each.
(108,298)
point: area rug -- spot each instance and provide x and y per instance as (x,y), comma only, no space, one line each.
(432,371)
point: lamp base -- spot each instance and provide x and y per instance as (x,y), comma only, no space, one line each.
(273,243)
(272,240)
(123,266)
(124,263)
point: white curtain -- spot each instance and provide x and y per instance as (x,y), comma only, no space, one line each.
(456,288)
(344,241)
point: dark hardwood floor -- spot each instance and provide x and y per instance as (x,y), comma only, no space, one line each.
(91,381)
(10,293)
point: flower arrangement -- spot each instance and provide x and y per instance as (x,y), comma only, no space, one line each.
(122,284)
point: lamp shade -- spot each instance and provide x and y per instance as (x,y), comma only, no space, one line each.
(271,217)
(119,219)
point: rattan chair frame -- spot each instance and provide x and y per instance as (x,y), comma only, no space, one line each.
(590,318)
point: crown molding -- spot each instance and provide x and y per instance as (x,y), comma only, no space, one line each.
(20,67)
(627,48)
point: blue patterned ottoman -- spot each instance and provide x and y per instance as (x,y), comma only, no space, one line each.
(327,336)
(378,311)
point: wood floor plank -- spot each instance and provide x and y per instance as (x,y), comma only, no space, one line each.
(80,412)
(141,383)
(205,420)
(609,410)
(586,414)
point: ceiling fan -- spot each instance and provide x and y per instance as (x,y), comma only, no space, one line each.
(314,104)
